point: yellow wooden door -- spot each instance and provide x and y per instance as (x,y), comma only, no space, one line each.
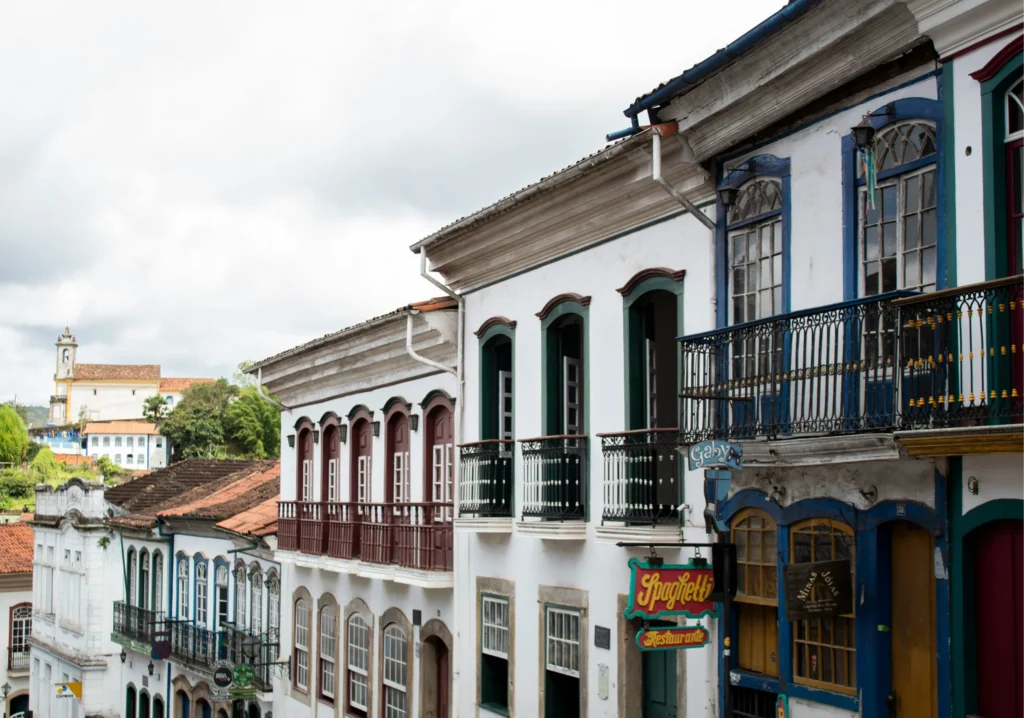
(758,638)
(913,623)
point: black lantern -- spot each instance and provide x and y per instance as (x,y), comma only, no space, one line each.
(316,436)
(343,433)
(150,667)
(124,656)
(863,135)
(376,428)
(291,441)
(414,422)
(728,195)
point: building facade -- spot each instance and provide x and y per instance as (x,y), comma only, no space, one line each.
(16,608)
(133,445)
(106,391)
(365,523)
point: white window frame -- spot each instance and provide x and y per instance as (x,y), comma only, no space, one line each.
(563,650)
(307,480)
(158,581)
(396,672)
(144,562)
(505,396)
(202,574)
(494,626)
(221,596)
(358,661)
(133,566)
(241,599)
(441,474)
(274,604)
(363,477)
(302,621)
(328,650)
(183,588)
(333,472)
(401,490)
(21,628)
(1012,97)
(256,601)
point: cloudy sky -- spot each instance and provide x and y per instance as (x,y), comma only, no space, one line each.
(195,184)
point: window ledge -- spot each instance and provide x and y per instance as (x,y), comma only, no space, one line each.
(484,525)
(553,530)
(375,570)
(494,708)
(614,533)
(424,579)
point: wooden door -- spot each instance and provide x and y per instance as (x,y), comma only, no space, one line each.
(440,490)
(998,554)
(913,688)
(305,492)
(442,679)
(398,469)
(330,469)
(360,470)
(659,680)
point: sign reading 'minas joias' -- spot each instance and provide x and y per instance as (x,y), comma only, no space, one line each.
(656,591)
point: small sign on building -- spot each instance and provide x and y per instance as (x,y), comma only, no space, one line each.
(672,639)
(662,590)
(822,589)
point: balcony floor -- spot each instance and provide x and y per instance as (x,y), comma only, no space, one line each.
(553,530)
(488,525)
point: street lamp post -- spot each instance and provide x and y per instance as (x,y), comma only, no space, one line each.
(6,688)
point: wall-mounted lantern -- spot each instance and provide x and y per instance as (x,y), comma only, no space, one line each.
(414,422)
(291,441)
(376,428)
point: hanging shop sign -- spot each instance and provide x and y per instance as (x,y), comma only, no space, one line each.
(161,648)
(223,674)
(672,639)
(817,590)
(660,590)
(714,454)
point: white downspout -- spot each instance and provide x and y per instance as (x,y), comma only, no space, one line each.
(412,352)
(259,390)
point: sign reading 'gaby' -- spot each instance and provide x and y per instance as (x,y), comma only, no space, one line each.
(672,639)
(656,591)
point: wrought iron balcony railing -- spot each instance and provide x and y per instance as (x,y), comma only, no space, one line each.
(895,361)
(258,650)
(642,476)
(138,624)
(18,658)
(554,477)
(192,644)
(412,535)
(486,478)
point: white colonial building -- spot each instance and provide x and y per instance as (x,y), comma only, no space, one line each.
(365,527)
(16,610)
(106,391)
(134,445)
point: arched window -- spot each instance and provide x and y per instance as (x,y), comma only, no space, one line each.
(143,579)
(757,593)
(221,576)
(130,701)
(304,444)
(133,573)
(361,456)
(301,638)
(899,233)
(201,591)
(1014,142)
(331,461)
(256,612)
(21,629)
(358,663)
(755,251)
(396,660)
(397,443)
(328,651)
(824,649)
(183,588)
(158,707)
(274,606)
(241,597)
(158,581)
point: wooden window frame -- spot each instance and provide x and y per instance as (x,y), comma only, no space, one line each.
(326,610)
(360,465)
(397,470)
(386,683)
(431,481)
(364,671)
(307,610)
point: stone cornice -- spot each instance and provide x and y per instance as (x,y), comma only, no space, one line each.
(492,322)
(566,297)
(645,274)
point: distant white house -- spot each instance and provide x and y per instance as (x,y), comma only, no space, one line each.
(135,444)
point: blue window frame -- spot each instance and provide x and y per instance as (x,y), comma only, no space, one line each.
(201,589)
(900,242)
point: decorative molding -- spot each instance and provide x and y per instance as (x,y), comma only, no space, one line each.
(567,297)
(423,579)
(814,451)
(553,530)
(1000,439)
(999,60)
(484,525)
(356,409)
(436,394)
(302,420)
(390,403)
(656,534)
(329,417)
(495,321)
(645,274)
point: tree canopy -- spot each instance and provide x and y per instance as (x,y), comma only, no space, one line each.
(154,408)
(13,435)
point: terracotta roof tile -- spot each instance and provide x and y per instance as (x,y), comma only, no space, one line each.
(131,372)
(15,547)
(227,496)
(182,383)
(260,520)
(126,426)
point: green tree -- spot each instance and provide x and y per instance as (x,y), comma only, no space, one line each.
(196,426)
(21,409)
(13,435)
(240,378)
(111,471)
(255,424)
(154,408)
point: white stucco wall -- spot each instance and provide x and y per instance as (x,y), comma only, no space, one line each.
(1000,476)
(154,457)
(112,400)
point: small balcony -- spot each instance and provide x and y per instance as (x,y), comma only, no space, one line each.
(554,486)
(485,485)
(18,659)
(641,485)
(257,650)
(136,624)
(944,366)
(194,645)
(404,542)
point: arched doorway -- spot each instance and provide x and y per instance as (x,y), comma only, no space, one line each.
(130,702)
(203,709)
(254,710)
(995,554)
(19,704)
(182,705)
(359,472)
(330,472)
(158,707)
(435,670)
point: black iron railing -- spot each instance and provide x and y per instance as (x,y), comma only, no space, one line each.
(642,477)
(554,477)
(258,650)
(486,476)
(138,624)
(895,361)
(194,644)
(18,658)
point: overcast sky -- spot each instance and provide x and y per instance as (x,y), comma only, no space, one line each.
(195,184)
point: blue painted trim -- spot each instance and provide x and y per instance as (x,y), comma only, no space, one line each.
(197,559)
(895,111)
(218,562)
(753,167)
(175,592)
(744,43)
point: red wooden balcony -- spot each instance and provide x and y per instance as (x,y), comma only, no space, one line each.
(416,536)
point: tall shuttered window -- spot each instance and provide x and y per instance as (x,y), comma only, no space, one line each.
(494,659)
(757,594)
(396,666)
(301,658)
(328,651)
(358,664)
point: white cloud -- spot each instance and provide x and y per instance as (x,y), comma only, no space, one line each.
(196,184)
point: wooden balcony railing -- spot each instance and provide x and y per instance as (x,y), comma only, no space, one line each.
(554,477)
(895,361)
(138,624)
(486,478)
(411,535)
(642,476)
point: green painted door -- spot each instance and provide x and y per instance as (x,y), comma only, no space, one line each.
(659,675)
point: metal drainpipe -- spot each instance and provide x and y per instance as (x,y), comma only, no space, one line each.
(259,391)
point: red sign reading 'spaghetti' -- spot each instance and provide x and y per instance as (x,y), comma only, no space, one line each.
(669,590)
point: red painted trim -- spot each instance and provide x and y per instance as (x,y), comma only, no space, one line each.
(645,274)
(555,301)
(981,43)
(328,419)
(999,60)
(494,321)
